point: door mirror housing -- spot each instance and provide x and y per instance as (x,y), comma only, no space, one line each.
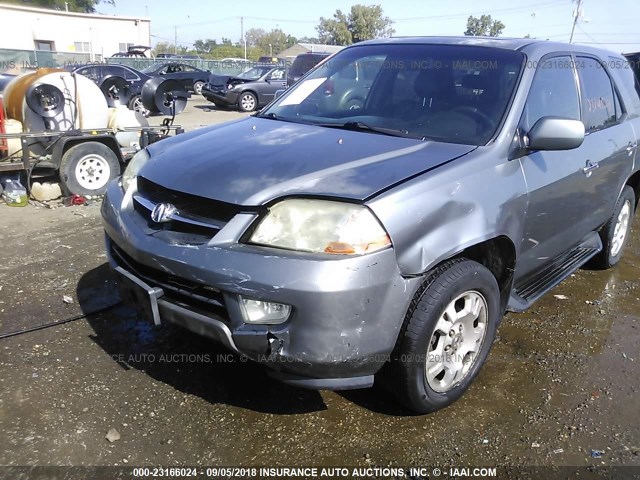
(555,133)
(279,93)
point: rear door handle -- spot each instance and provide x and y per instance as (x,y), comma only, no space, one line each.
(590,167)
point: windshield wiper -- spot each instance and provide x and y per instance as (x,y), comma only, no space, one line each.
(364,127)
(274,116)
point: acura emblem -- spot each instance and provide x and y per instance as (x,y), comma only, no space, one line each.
(162,212)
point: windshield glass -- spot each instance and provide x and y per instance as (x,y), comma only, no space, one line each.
(150,69)
(254,73)
(449,93)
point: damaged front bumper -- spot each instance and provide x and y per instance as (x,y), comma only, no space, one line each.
(224,96)
(346,312)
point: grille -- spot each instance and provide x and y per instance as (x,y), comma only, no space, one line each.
(196,296)
(186,203)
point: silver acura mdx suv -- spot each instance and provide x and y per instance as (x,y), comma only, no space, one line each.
(378,218)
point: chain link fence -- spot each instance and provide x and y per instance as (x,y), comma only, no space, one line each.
(19,61)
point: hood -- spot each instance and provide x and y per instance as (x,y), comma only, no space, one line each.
(253,161)
(221,80)
(215,79)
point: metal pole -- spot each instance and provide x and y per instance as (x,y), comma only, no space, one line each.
(242,39)
(575,20)
(175,39)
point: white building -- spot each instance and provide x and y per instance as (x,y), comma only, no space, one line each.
(27,28)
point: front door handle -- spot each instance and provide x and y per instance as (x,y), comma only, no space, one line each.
(590,167)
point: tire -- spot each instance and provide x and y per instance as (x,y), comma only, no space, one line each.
(354,104)
(197,87)
(616,232)
(434,333)
(136,105)
(247,102)
(87,168)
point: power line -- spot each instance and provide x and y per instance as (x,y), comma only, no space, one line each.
(520,8)
(588,36)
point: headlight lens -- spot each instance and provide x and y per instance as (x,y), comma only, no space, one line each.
(321,226)
(134,167)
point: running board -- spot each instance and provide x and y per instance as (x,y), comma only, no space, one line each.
(529,289)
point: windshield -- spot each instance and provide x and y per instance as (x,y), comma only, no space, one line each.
(449,93)
(150,69)
(254,73)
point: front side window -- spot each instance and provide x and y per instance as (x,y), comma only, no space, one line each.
(599,104)
(448,93)
(254,73)
(277,75)
(553,92)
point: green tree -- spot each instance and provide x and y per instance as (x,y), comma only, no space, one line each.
(362,23)
(309,40)
(205,46)
(83,6)
(270,42)
(484,26)
(162,47)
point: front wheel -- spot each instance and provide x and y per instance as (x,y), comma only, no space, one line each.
(616,231)
(247,102)
(87,168)
(197,87)
(447,335)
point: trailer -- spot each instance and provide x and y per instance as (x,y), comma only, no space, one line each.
(83,160)
(61,124)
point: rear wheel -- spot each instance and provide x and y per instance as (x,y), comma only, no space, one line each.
(247,102)
(87,168)
(616,231)
(136,105)
(447,335)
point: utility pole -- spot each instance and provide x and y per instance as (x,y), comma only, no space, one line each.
(242,39)
(575,19)
(175,39)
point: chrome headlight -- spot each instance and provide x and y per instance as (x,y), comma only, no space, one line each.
(321,226)
(133,168)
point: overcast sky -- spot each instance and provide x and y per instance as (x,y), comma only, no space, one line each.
(609,23)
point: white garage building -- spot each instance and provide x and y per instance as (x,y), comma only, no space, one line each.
(100,36)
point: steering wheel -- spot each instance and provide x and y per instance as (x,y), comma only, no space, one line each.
(476,114)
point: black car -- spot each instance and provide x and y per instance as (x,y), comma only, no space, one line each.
(191,77)
(5,78)
(250,90)
(100,73)
(302,64)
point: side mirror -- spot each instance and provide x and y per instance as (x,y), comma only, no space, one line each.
(279,93)
(555,133)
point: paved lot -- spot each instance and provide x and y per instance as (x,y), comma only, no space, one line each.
(200,113)
(562,380)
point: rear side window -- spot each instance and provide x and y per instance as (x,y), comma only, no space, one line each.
(113,70)
(553,92)
(599,104)
(622,71)
(129,75)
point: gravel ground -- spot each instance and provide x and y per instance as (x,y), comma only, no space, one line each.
(560,386)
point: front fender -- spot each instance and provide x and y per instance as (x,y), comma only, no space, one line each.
(460,204)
